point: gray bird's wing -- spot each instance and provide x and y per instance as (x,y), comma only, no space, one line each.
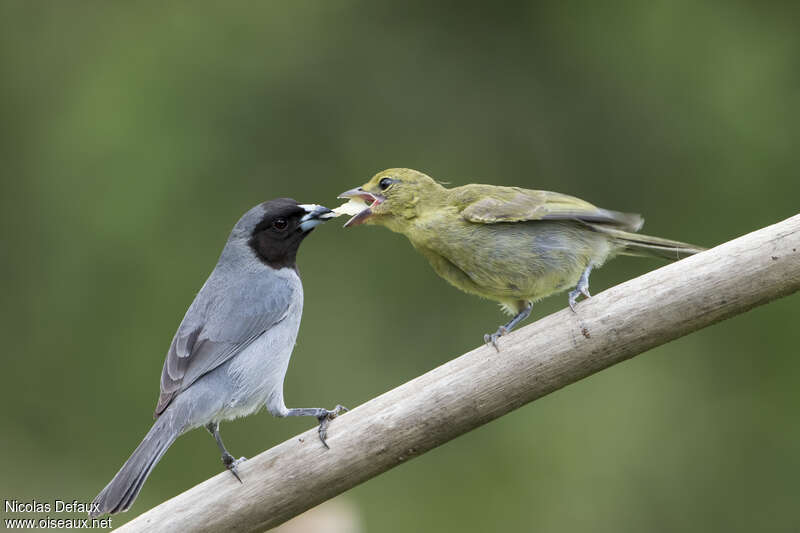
(222,321)
(485,204)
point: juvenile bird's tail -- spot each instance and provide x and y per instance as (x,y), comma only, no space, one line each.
(647,246)
(121,491)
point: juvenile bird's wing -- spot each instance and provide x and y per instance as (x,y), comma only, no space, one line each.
(487,204)
(222,321)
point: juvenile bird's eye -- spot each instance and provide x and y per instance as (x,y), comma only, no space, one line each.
(385,183)
(280,223)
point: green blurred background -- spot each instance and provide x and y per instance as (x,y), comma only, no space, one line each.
(134,136)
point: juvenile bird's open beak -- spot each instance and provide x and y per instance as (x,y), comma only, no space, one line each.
(370,200)
(315,215)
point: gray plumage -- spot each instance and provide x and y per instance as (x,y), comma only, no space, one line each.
(231,351)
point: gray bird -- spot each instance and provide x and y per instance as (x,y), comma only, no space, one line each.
(230,354)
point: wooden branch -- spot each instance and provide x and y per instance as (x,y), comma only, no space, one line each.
(482,385)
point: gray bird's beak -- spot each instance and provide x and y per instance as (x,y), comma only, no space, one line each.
(315,215)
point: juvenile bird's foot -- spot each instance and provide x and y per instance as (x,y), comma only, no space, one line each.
(506,329)
(491,340)
(573,297)
(581,288)
(325,420)
(231,464)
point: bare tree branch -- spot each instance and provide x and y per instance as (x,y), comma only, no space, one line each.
(482,385)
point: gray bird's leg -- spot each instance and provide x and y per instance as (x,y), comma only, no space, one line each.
(581,288)
(323,415)
(503,330)
(227,459)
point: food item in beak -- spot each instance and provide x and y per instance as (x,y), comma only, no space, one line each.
(351,208)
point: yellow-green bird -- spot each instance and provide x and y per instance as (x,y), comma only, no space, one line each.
(507,244)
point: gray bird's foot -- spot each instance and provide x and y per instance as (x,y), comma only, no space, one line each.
(227,459)
(581,288)
(231,464)
(491,340)
(325,420)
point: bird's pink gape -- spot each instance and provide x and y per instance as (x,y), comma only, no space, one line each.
(371,199)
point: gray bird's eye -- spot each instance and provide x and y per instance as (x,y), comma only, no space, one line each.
(385,183)
(280,223)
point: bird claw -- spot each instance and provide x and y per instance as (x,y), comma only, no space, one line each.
(491,340)
(231,464)
(573,297)
(581,288)
(325,421)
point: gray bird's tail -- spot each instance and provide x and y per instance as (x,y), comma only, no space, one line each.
(121,491)
(647,246)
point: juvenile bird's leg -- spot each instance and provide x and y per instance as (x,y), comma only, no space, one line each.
(227,459)
(323,415)
(581,288)
(502,330)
